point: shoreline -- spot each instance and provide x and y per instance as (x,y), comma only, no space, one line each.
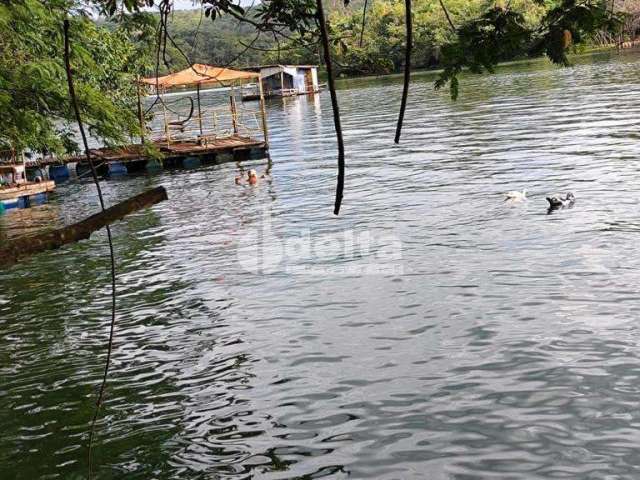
(435,71)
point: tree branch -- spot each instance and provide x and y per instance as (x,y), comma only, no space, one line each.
(364,20)
(446,14)
(13,251)
(334,104)
(407,68)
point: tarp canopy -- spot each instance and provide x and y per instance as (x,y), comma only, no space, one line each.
(199,74)
(257,68)
(276,69)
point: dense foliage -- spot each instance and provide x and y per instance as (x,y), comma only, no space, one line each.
(224,41)
(502,33)
(36,111)
(476,35)
(452,34)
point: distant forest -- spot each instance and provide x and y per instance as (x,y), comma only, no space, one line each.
(378,48)
(218,42)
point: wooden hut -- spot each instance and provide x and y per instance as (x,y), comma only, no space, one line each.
(214,130)
(283,81)
(229,124)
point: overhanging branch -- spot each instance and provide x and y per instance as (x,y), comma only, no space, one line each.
(13,251)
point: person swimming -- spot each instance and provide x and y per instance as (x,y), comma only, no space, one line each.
(251,178)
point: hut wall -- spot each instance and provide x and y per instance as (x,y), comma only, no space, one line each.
(271,83)
(299,81)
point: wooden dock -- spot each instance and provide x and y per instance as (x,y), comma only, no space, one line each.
(232,145)
(216,150)
(26,189)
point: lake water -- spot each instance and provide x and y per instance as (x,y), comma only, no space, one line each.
(429,331)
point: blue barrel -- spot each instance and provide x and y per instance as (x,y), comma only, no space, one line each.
(191,162)
(23,202)
(38,199)
(117,169)
(83,169)
(154,166)
(59,173)
(257,153)
(13,203)
(224,157)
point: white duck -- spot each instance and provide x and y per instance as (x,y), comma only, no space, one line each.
(515,196)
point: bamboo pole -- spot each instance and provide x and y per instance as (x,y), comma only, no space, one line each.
(167,133)
(263,114)
(234,120)
(199,109)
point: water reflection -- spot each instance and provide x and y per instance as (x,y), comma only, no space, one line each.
(20,222)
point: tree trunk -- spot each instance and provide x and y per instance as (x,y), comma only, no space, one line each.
(15,250)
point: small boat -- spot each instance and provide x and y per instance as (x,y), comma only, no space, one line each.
(17,192)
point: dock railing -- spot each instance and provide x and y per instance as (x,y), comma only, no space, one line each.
(8,156)
(207,126)
(250,91)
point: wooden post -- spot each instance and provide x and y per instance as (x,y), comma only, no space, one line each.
(167,134)
(233,111)
(263,113)
(24,167)
(281,83)
(140,114)
(199,109)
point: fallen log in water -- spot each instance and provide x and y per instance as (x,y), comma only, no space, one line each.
(17,249)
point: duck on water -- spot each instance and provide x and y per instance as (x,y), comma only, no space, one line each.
(560,201)
(555,202)
(515,196)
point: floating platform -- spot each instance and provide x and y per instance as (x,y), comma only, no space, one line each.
(112,161)
(250,97)
(21,196)
(235,145)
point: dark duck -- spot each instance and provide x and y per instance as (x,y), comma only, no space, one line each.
(560,201)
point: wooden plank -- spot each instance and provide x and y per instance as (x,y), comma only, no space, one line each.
(132,153)
(9,193)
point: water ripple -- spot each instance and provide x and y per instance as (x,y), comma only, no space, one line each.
(506,346)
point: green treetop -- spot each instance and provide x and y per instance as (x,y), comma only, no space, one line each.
(36,111)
